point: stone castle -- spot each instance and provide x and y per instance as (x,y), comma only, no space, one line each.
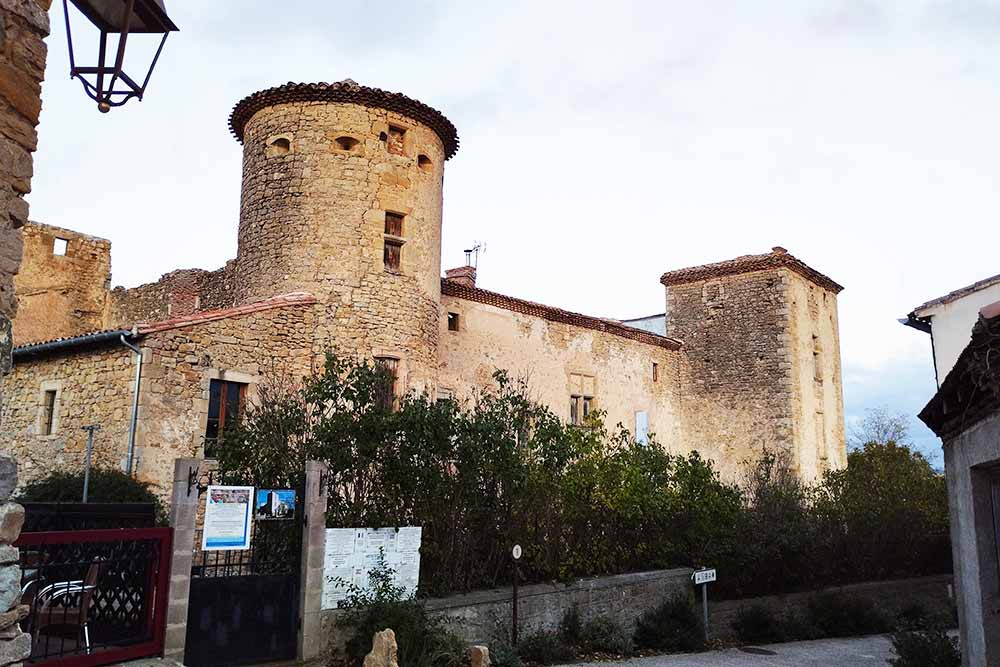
(340,246)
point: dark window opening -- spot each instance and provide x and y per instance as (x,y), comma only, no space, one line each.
(397,140)
(279,146)
(394,223)
(48,412)
(59,246)
(347,143)
(580,408)
(656,372)
(817,360)
(391,254)
(225,405)
(386,395)
(424,162)
(452,321)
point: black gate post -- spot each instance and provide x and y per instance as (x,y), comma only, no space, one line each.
(313,555)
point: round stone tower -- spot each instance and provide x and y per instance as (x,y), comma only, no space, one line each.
(341,197)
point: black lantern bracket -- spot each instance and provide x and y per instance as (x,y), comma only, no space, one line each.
(108,84)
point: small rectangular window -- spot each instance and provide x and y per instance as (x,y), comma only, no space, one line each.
(48,412)
(580,408)
(386,397)
(59,246)
(656,372)
(453,321)
(225,405)
(396,142)
(391,254)
(393,224)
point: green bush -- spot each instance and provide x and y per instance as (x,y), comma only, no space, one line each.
(422,640)
(503,654)
(545,648)
(840,615)
(758,624)
(930,647)
(605,635)
(106,485)
(671,626)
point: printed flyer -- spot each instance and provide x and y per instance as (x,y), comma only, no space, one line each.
(227,518)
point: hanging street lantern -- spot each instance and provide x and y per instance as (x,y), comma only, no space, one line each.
(107,83)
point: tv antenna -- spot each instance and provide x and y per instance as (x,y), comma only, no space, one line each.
(472,254)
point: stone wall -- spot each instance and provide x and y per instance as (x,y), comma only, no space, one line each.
(934,594)
(177,293)
(61,295)
(95,386)
(549,354)
(92,386)
(23,27)
(180,362)
(313,217)
(477,617)
(817,394)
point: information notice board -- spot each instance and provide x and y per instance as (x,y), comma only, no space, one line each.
(352,552)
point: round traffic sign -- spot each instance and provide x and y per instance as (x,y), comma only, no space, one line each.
(516,552)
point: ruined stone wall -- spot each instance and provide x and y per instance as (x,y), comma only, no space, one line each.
(548,355)
(176,293)
(92,387)
(180,363)
(318,179)
(61,295)
(817,393)
(736,381)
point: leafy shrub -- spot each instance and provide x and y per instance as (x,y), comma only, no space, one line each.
(605,635)
(545,648)
(422,640)
(839,615)
(106,485)
(503,654)
(673,625)
(930,647)
(913,616)
(758,624)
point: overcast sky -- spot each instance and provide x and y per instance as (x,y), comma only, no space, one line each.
(601,145)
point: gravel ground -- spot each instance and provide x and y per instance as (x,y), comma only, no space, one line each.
(852,652)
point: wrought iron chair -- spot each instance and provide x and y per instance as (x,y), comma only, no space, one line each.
(64,603)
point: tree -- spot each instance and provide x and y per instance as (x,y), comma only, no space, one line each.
(879,426)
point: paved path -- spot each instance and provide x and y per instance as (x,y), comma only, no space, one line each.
(853,652)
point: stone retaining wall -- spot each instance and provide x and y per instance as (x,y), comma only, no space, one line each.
(933,593)
(476,616)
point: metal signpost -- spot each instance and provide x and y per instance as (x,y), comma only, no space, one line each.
(702,577)
(86,462)
(516,554)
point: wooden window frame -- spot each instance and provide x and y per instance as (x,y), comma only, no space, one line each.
(454,321)
(50,399)
(220,420)
(656,372)
(388,399)
(581,407)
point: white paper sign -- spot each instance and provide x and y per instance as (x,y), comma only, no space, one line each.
(351,553)
(227,518)
(704,576)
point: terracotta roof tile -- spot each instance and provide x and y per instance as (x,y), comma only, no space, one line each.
(959,293)
(777,258)
(453,288)
(291,299)
(344,91)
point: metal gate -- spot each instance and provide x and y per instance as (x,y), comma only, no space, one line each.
(244,605)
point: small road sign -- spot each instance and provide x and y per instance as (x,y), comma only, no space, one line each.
(704,576)
(516,552)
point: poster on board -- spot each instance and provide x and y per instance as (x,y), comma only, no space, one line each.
(351,553)
(274,504)
(227,518)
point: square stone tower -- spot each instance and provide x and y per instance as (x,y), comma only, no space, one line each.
(762,367)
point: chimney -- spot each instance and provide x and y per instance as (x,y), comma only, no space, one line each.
(463,275)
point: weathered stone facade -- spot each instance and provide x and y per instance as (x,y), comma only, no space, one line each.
(341,214)
(24,24)
(63,284)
